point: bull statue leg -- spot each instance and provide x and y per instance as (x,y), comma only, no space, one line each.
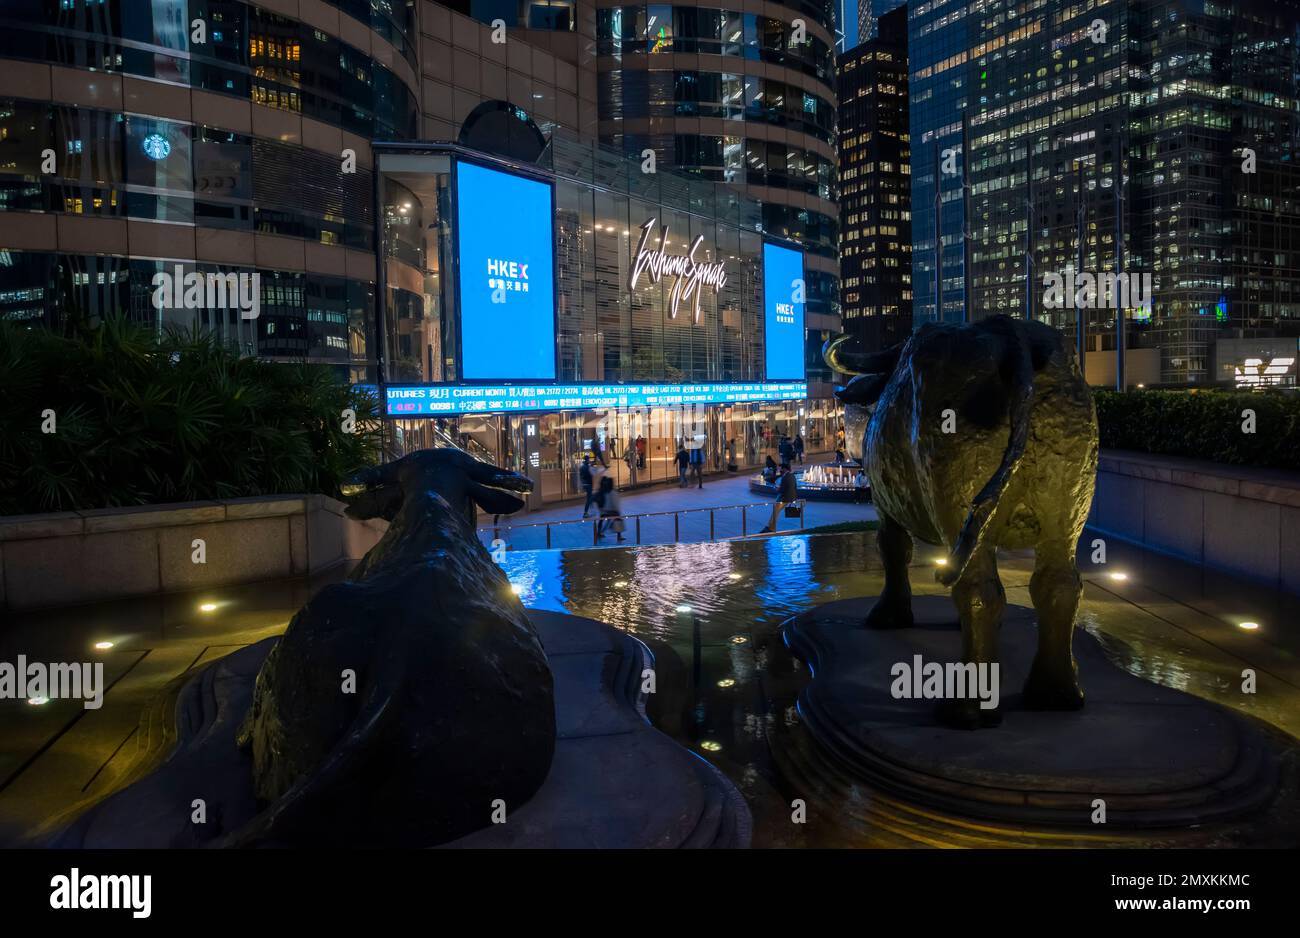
(1055,589)
(980,601)
(893,610)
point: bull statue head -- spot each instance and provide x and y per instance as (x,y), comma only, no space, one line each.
(871,371)
(452,474)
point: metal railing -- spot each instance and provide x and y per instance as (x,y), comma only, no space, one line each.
(635,523)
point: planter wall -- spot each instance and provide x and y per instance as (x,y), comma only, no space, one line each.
(1237,519)
(85,556)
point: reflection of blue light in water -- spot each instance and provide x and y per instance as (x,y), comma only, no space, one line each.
(536,575)
(789,578)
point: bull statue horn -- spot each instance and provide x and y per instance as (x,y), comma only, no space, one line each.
(851,361)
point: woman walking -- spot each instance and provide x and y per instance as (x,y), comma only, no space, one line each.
(629,457)
(610,504)
(787,494)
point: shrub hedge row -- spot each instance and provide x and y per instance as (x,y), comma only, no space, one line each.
(144,419)
(1203,425)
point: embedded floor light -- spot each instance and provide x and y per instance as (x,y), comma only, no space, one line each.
(727,682)
(207,607)
(941,561)
(738,639)
(1119,576)
(37,701)
(1248,626)
(734,576)
(103,646)
(683,608)
(710,746)
(620,583)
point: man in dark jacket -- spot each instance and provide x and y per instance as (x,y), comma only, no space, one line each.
(697,464)
(683,460)
(787,493)
(584,479)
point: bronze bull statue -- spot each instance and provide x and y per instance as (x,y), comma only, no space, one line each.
(453,706)
(982,436)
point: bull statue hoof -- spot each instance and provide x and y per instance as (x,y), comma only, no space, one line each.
(966,715)
(889,615)
(976,437)
(401,704)
(1049,692)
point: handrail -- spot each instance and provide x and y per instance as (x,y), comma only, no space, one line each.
(641,514)
(596,523)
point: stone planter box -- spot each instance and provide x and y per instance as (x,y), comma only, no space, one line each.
(85,556)
(1237,519)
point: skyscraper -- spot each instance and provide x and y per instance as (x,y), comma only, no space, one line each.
(875,187)
(1134,118)
(742,99)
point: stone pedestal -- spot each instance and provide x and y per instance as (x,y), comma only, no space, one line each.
(1156,756)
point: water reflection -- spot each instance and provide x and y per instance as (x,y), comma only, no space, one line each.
(727,686)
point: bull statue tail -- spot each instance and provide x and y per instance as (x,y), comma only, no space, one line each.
(986,502)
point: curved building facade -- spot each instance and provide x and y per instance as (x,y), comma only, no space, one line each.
(212,164)
(742,95)
(148,137)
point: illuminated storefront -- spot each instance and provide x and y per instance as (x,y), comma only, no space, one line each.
(535,314)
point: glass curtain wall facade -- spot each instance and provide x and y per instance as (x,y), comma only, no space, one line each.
(876,188)
(741,98)
(608,332)
(140,158)
(1136,111)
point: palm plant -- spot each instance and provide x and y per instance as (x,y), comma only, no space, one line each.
(140,419)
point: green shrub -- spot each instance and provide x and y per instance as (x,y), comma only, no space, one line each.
(142,419)
(1203,425)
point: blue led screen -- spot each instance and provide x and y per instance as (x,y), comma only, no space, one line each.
(506,254)
(783,313)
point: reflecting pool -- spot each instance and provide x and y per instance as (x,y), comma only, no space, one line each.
(726,686)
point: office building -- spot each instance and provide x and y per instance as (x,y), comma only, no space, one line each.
(876,187)
(1134,119)
(147,148)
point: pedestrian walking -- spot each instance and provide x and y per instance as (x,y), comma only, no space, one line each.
(787,493)
(697,464)
(640,452)
(683,460)
(798,448)
(786,449)
(610,504)
(586,480)
(629,457)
